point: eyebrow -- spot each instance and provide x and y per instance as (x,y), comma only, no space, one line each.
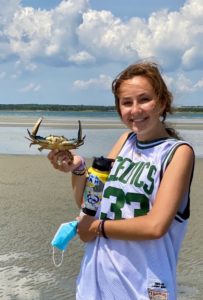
(139,95)
(144,94)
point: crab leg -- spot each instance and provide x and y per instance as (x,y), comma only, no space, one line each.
(79,131)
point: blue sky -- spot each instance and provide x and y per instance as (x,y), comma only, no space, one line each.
(68,52)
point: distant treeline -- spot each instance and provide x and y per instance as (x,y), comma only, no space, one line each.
(54,107)
(189,109)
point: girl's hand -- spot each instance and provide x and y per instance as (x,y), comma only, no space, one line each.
(61,161)
(88,228)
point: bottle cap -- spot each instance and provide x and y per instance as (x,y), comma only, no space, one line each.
(103,164)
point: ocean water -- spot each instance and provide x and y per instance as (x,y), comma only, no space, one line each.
(88,114)
(98,141)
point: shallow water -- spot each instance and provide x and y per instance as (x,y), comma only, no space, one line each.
(96,141)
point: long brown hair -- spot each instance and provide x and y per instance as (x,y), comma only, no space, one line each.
(149,70)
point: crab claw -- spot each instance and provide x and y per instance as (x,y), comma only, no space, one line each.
(36,127)
(80,138)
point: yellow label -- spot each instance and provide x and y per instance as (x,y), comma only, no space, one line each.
(102,175)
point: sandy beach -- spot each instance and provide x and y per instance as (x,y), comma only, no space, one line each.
(71,123)
(35,199)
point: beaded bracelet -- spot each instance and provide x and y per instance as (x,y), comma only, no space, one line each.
(79,173)
(81,169)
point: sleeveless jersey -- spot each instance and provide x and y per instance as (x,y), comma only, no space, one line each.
(134,270)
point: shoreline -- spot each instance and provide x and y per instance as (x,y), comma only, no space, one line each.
(88,123)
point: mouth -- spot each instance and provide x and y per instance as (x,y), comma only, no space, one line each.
(138,120)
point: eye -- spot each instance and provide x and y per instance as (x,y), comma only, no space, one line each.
(145,98)
(126,102)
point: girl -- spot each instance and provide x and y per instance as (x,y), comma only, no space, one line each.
(133,243)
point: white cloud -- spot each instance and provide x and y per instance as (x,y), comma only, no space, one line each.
(14,76)
(104,36)
(28,33)
(166,36)
(40,34)
(181,84)
(199,84)
(73,33)
(103,82)
(82,57)
(194,9)
(31,87)
(184,84)
(2,75)
(8,9)
(193,57)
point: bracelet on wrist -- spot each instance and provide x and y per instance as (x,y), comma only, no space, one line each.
(81,169)
(103,230)
(100,230)
(79,173)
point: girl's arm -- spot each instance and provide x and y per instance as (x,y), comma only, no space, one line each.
(78,181)
(78,185)
(175,183)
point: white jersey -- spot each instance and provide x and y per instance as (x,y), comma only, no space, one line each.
(134,270)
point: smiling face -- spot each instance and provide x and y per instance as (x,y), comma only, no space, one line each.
(139,109)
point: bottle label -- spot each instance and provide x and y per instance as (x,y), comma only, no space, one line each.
(93,192)
(97,175)
(93,180)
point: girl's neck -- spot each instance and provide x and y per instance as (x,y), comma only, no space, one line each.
(159,133)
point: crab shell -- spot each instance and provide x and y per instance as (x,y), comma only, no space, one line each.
(53,142)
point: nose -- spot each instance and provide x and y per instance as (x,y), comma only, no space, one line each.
(136,108)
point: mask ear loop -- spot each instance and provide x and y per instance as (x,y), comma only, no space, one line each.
(54,261)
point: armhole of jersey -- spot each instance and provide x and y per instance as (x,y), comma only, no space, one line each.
(180,216)
(127,138)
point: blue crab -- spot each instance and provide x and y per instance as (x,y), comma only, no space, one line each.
(52,142)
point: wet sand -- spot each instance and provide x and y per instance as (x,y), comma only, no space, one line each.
(190,268)
(87,123)
(34,200)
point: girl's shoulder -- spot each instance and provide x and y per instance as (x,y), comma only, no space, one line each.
(119,144)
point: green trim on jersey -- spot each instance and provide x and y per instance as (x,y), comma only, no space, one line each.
(153,143)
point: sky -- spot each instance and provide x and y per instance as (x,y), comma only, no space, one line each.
(68,52)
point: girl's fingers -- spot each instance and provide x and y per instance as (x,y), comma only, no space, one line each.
(52,154)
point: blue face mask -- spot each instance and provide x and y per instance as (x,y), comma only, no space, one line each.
(63,236)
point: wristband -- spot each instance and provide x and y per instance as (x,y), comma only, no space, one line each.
(79,173)
(81,169)
(103,230)
(100,230)
(81,166)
